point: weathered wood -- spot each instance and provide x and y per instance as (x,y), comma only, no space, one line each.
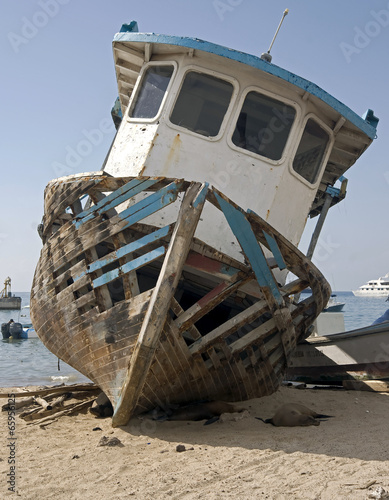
(18,404)
(209,301)
(229,327)
(53,390)
(366,385)
(145,352)
(70,410)
(42,402)
(187,220)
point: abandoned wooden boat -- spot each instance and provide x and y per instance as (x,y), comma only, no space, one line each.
(361,354)
(162,276)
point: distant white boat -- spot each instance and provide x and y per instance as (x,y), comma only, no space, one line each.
(374,288)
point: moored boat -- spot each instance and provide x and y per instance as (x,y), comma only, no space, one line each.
(360,354)
(162,276)
(374,288)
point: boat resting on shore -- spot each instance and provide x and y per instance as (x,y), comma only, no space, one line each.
(361,354)
(162,277)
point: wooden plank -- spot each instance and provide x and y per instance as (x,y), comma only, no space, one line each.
(366,385)
(122,194)
(258,334)
(130,280)
(209,302)
(53,390)
(192,330)
(151,204)
(274,248)
(129,248)
(159,305)
(242,230)
(230,326)
(141,261)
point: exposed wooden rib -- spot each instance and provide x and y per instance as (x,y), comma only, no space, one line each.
(229,327)
(136,57)
(209,301)
(142,356)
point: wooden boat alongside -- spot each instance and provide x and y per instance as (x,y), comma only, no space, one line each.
(361,354)
(162,277)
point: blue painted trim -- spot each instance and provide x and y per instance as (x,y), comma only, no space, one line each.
(242,230)
(130,266)
(132,188)
(274,248)
(127,249)
(151,204)
(256,62)
(333,191)
(132,27)
(275,251)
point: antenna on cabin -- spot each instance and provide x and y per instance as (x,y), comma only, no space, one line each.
(266,55)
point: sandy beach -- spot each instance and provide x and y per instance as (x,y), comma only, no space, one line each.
(345,457)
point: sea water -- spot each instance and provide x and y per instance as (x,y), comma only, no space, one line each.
(28,362)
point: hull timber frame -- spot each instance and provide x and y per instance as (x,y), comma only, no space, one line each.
(153,315)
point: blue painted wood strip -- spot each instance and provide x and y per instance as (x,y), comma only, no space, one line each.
(117,197)
(242,230)
(130,266)
(275,251)
(127,249)
(255,62)
(151,204)
(274,248)
(76,278)
(150,209)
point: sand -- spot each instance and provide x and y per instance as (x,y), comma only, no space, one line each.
(346,457)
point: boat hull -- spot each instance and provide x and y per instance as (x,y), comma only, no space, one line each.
(361,354)
(153,315)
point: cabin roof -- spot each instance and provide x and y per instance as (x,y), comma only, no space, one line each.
(369,128)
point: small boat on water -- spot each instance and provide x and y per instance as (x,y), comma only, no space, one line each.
(7,300)
(374,288)
(333,305)
(162,277)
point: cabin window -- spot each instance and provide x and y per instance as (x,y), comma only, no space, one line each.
(202,103)
(152,91)
(309,156)
(263,125)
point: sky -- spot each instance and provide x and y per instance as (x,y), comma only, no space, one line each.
(58,86)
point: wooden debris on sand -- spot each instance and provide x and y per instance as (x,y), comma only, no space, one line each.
(366,385)
(44,406)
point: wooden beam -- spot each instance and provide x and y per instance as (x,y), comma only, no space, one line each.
(159,305)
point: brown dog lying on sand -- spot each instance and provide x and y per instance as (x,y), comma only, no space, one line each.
(294,414)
